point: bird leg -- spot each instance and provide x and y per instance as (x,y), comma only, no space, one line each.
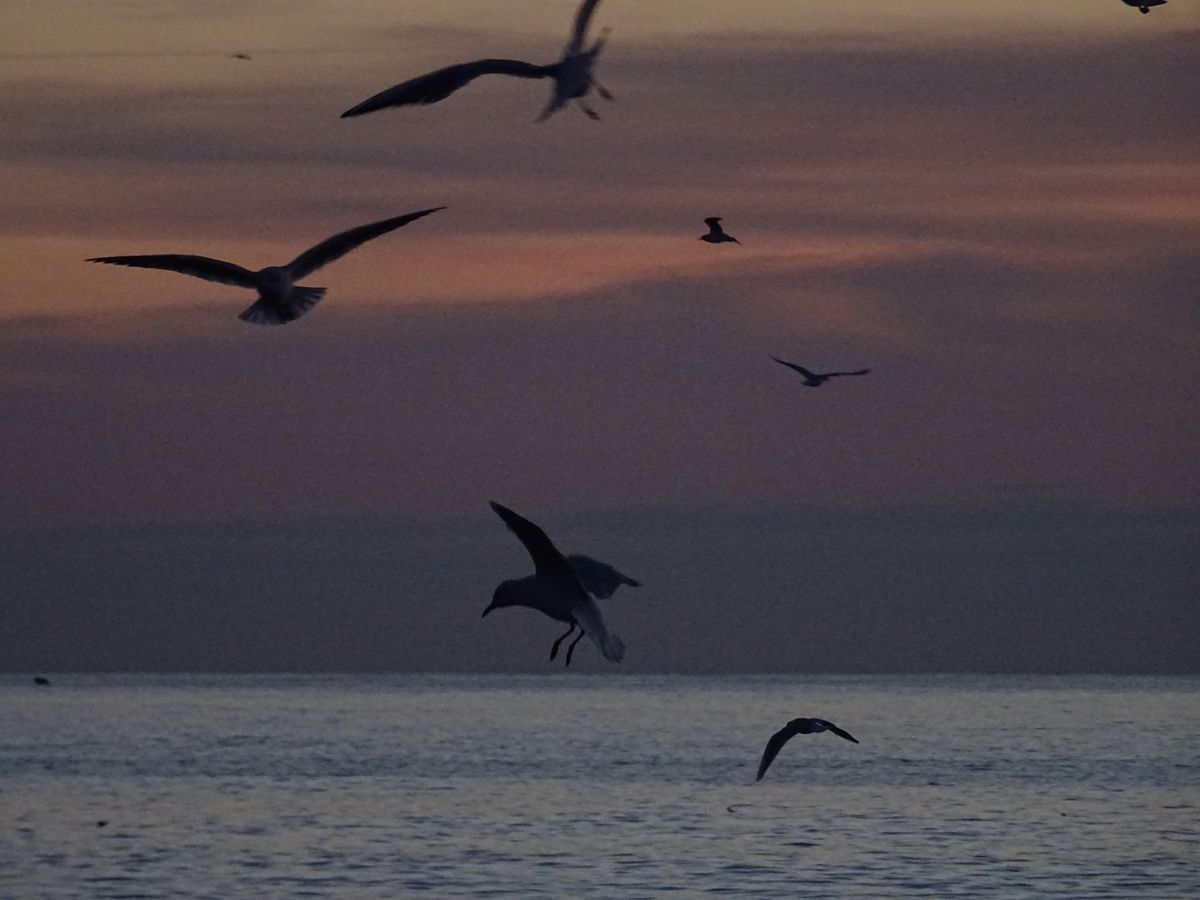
(591,113)
(554,649)
(602,90)
(571,648)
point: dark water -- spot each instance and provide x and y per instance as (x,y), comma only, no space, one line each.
(561,786)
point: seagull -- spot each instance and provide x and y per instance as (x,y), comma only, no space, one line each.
(600,580)
(240,56)
(816,379)
(280,299)
(41,681)
(553,588)
(572,76)
(1144,5)
(789,731)
(716,234)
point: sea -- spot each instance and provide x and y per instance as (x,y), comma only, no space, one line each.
(564,786)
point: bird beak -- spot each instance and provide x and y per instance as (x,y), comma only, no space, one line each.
(490,607)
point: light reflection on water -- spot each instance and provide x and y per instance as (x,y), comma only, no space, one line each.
(561,786)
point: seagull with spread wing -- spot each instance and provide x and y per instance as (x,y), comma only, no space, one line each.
(553,589)
(716,234)
(816,379)
(789,731)
(601,581)
(572,76)
(280,299)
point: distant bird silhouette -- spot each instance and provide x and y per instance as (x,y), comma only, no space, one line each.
(240,56)
(41,681)
(1144,5)
(816,379)
(280,299)
(716,234)
(553,589)
(789,731)
(572,76)
(600,580)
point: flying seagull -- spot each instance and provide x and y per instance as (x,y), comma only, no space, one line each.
(280,299)
(41,681)
(572,76)
(553,589)
(816,379)
(716,234)
(600,580)
(1144,5)
(789,731)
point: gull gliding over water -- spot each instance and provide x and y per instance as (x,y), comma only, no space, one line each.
(816,379)
(280,299)
(716,234)
(789,731)
(572,76)
(553,589)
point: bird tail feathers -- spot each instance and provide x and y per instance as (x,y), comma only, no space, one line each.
(298,302)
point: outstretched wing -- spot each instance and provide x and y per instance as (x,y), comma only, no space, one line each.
(840,733)
(440,84)
(341,244)
(197,266)
(599,579)
(839,374)
(582,18)
(803,371)
(591,620)
(713,222)
(774,745)
(547,560)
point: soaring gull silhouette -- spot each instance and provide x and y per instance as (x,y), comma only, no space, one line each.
(789,731)
(816,379)
(716,234)
(280,299)
(572,76)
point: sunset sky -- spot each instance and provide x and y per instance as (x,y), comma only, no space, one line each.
(994,205)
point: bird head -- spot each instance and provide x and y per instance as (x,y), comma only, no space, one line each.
(500,598)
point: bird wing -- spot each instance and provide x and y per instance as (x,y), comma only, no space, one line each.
(341,244)
(803,371)
(440,84)
(774,745)
(582,18)
(839,374)
(839,732)
(547,560)
(591,620)
(713,223)
(197,266)
(598,579)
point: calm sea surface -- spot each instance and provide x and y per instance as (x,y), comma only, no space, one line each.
(574,786)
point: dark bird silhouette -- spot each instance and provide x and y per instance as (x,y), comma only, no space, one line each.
(716,234)
(41,681)
(572,75)
(1144,5)
(600,580)
(280,299)
(789,731)
(240,56)
(816,379)
(553,589)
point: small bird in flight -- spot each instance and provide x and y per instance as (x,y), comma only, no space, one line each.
(554,588)
(716,234)
(572,75)
(789,731)
(816,379)
(280,299)
(1144,5)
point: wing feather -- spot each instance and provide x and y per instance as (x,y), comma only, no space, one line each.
(197,266)
(582,18)
(774,745)
(599,579)
(341,244)
(547,559)
(591,620)
(803,371)
(839,374)
(441,83)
